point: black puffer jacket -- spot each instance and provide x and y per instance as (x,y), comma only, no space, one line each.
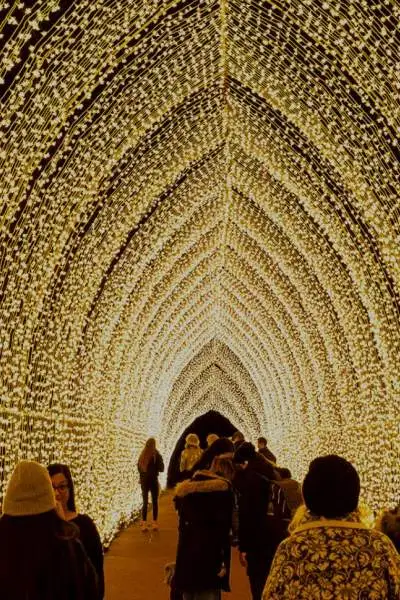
(205,505)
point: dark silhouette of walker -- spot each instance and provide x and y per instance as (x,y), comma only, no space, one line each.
(210,422)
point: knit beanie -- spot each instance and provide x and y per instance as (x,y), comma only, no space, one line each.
(29,491)
(331,487)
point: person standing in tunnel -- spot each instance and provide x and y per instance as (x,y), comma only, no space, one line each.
(150,464)
(64,491)
(205,504)
(264,450)
(263,515)
(190,455)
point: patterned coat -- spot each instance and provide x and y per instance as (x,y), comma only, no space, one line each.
(334,560)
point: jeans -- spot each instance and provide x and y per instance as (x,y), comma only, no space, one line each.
(203,595)
(149,485)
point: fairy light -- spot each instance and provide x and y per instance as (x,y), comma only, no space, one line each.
(199,210)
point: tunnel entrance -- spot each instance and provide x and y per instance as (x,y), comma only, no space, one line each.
(211,422)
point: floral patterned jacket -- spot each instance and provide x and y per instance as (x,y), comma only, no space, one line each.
(334,560)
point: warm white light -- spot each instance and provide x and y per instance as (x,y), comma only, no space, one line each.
(194,184)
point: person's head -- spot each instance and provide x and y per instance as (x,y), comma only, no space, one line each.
(29,491)
(389,524)
(63,485)
(237,437)
(147,453)
(284,473)
(261,443)
(224,467)
(247,452)
(244,453)
(192,440)
(211,438)
(150,445)
(331,487)
(220,446)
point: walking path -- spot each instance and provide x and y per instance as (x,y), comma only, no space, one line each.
(134,564)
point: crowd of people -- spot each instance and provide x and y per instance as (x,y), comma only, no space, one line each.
(295,542)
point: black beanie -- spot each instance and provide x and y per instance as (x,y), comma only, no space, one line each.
(245,451)
(331,487)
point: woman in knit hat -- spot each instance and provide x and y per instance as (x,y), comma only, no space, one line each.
(333,554)
(40,555)
(64,491)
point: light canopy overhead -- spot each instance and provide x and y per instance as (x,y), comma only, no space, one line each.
(200,210)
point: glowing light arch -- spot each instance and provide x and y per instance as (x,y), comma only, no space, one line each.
(191,170)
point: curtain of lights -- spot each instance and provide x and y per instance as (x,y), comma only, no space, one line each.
(199,209)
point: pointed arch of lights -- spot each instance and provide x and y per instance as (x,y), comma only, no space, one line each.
(179,172)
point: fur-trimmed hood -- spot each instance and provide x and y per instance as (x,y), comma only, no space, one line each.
(202,482)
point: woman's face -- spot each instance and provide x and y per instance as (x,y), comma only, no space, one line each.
(61,489)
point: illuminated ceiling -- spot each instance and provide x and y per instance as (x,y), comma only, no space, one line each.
(200,209)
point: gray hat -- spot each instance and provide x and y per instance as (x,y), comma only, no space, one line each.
(29,491)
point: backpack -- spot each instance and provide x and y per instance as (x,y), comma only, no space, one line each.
(277,506)
(278,514)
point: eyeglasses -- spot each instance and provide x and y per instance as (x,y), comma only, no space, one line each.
(61,488)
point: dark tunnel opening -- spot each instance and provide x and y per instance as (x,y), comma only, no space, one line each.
(211,422)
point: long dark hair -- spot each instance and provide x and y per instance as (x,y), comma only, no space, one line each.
(147,454)
(55,469)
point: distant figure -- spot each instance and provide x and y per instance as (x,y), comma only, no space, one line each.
(246,453)
(150,464)
(237,439)
(204,504)
(221,447)
(334,555)
(389,523)
(191,454)
(211,438)
(291,489)
(41,557)
(63,487)
(266,452)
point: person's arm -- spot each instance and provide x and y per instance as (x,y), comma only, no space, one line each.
(160,463)
(182,464)
(86,582)
(92,543)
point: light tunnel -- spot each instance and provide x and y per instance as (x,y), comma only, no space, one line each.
(200,211)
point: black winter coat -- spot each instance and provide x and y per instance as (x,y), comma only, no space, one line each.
(205,505)
(259,533)
(90,539)
(42,559)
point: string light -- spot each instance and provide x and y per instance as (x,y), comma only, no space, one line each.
(199,210)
